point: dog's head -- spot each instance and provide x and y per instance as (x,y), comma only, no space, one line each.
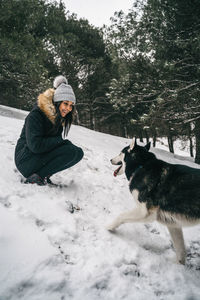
(134,155)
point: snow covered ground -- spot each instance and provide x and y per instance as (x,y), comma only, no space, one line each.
(48,253)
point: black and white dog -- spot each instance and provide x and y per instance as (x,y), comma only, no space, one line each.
(167,193)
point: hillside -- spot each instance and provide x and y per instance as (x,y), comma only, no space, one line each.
(48,253)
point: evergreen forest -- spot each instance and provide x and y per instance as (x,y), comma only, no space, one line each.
(138,77)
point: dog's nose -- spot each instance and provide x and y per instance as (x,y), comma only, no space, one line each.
(111,161)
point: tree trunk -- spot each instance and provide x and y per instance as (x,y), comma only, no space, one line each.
(170,143)
(77,119)
(191,147)
(140,136)
(141,140)
(154,138)
(190,140)
(146,136)
(197,137)
(91,119)
(154,141)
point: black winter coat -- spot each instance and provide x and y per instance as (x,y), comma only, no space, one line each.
(35,137)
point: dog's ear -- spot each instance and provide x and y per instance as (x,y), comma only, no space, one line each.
(147,147)
(132,144)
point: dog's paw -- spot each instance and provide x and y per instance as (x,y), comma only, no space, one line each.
(177,261)
(181,261)
(110,228)
(181,257)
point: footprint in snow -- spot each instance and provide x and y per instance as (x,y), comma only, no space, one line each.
(40,224)
(5,202)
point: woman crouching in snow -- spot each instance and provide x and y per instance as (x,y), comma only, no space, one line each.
(42,149)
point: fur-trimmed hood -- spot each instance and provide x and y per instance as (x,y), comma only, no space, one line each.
(46,105)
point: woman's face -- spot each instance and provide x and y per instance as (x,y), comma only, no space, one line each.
(65,108)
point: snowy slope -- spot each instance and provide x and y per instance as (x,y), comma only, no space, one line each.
(46,252)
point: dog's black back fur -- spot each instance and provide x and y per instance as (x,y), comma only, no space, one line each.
(171,187)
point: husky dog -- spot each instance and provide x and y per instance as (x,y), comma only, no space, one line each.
(167,193)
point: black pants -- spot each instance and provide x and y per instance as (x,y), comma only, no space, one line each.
(47,164)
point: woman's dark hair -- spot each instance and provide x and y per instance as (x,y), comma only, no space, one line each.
(67,120)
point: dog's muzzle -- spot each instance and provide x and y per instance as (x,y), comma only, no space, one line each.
(118,169)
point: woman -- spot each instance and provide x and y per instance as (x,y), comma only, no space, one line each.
(42,149)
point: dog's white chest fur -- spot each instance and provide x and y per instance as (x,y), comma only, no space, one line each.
(135,194)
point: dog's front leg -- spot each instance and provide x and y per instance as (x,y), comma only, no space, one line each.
(178,242)
(139,214)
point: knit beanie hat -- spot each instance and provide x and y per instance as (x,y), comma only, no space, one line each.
(64,91)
